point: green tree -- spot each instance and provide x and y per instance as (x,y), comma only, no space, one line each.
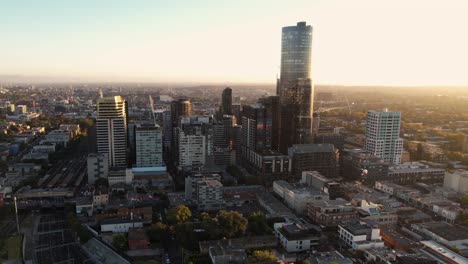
(119,242)
(204,215)
(85,123)
(212,228)
(179,214)
(258,256)
(185,235)
(101,182)
(232,223)
(3,165)
(83,234)
(464,201)
(6,211)
(158,232)
(258,224)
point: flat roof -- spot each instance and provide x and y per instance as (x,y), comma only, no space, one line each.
(211,183)
(356,227)
(101,254)
(295,231)
(149,169)
(137,234)
(120,220)
(310,148)
(447,231)
(444,251)
(330,257)
(339,202)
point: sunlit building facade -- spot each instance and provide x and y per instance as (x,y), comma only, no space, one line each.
(111,126)
(295,86)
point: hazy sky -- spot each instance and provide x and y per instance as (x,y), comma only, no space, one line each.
(396,42)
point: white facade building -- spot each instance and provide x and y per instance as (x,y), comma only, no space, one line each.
(192,149)
(120,224)
(44,148)
(98,166)
(297,238)
(457,181)
(360,235)
(297,196)
(59,137)
(209,195)
(192,180)
(120,175)
(21,109)
(383,135)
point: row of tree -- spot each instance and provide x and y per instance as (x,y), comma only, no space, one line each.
(79,230)
(224,224)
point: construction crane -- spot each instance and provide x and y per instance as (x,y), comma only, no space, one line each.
(151,102)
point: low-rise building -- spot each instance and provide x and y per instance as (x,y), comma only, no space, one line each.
(396,240)
(137,239)
(74,129)
(409,215)
(120,175)
(84,206)
(330,213)
(151,177)
(411,172)
(120,224)
(274,207)
(418,258)
(268,165)
(252,242)
(360,235)
(317,180)
(329,257)
(379,255)
(36,156)
(44,148)
(100,197)
(296,238)
(25,169)
(374,213)
(448,210)
(441,253)
(227,255)
(59,137)
(297,196)
(242,194)
(442,232)
(145,213)
(457,181)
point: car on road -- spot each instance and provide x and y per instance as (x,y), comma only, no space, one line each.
(166,259)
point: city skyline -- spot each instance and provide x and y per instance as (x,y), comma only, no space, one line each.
(359,43)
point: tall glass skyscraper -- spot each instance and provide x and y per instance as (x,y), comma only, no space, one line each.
(296,48)
(295,86)
(226,101)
